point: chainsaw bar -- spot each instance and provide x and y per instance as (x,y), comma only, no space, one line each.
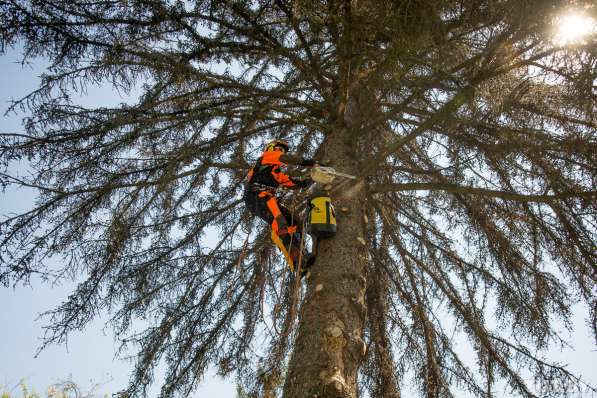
(334,172)
(326,175)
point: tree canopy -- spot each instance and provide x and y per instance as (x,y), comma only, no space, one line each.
(472,133)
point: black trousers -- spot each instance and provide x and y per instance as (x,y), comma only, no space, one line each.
(265,205)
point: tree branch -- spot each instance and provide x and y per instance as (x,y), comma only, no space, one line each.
(455,188)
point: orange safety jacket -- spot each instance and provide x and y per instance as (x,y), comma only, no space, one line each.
(267,172)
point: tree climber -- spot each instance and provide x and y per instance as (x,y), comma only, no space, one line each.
(262,181)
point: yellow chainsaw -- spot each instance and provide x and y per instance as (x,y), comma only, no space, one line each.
(325,174)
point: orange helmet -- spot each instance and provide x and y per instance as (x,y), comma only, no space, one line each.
(272,145)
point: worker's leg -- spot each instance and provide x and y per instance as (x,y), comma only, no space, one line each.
(256,206)
(264,205)
(292,240)
(294,226)
(279,222)
(294,223)
(297,248)
(285,232)
(257,203)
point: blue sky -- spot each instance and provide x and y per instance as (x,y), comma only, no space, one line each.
(89,357)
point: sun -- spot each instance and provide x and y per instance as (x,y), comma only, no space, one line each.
(573,28)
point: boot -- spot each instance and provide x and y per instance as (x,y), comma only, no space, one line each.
(308,260)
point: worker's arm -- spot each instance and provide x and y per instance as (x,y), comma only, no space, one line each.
(291,182)
(290,158)
(301,182)
(280,158)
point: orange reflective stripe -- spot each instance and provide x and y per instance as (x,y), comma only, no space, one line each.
(281,227)
(264,194)
(272,205)
(276,227)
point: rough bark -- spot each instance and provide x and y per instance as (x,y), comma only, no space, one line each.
(329,346)
(384,374)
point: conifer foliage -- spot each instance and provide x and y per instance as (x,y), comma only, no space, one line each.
(473,222)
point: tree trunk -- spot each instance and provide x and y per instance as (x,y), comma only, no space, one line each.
(329,347)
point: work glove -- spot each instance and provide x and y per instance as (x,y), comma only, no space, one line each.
(308,162)
(302,182)
(312,162)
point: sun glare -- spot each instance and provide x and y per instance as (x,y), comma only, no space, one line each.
(574,28)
